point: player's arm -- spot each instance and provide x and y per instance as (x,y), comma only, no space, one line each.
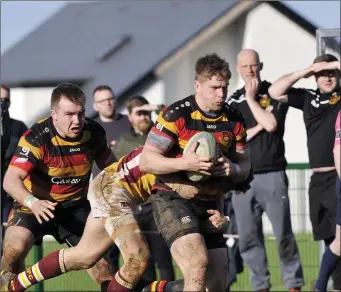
(337,148)
(160,141)
(23,162)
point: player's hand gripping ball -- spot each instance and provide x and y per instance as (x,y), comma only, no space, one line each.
(207,146)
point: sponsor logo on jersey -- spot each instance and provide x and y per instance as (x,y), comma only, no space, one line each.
(159,126)
(75,150)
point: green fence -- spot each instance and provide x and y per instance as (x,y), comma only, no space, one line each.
(298,174)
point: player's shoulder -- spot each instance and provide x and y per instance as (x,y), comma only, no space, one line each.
(178,109)
(233,114)
(93,126)
(39,133)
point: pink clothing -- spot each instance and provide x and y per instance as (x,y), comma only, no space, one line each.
(337,129)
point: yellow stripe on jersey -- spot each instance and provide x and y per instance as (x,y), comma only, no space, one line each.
(197,115)
(76,170)
(58,141)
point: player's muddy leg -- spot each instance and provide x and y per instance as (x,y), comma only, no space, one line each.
(190,254)
(89,252)
(17,243)
(134,250)
(93,244)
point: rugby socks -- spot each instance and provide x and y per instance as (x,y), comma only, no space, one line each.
(328,264)
(165,286)
(156,286)
(49,267)
(119,284)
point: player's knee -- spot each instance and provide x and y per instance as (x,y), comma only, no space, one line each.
(13,258)
(13,251)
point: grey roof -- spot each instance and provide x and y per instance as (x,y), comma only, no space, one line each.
(121,41)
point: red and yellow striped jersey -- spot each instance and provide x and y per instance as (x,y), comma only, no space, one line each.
(59,168)
(129,176)
(177,123)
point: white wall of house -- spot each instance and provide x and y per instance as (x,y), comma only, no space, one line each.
(30,104)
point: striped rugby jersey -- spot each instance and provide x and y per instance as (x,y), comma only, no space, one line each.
(180,121)
(177,123)
(59,168)
(130,177)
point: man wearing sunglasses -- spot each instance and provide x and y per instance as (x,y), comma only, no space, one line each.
(320,108)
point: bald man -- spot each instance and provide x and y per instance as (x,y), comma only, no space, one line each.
(265,120)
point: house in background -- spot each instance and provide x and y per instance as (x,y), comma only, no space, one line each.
(150,47)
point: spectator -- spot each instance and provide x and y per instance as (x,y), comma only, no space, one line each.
(113,123)
(332,253)
(320,108)
(139,115)
(265,119)
(13,130)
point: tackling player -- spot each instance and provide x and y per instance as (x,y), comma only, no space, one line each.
(113,195)
(49,177)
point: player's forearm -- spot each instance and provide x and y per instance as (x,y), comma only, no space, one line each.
(281,86)
(253,132)
(14,186)
(266,119)
(337,157)
(155,163)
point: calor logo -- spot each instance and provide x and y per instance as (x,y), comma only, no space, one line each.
(65,181)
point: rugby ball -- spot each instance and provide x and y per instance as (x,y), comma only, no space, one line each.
(207,146)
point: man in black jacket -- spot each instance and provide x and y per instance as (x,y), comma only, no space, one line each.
(265,119)
(11,131)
